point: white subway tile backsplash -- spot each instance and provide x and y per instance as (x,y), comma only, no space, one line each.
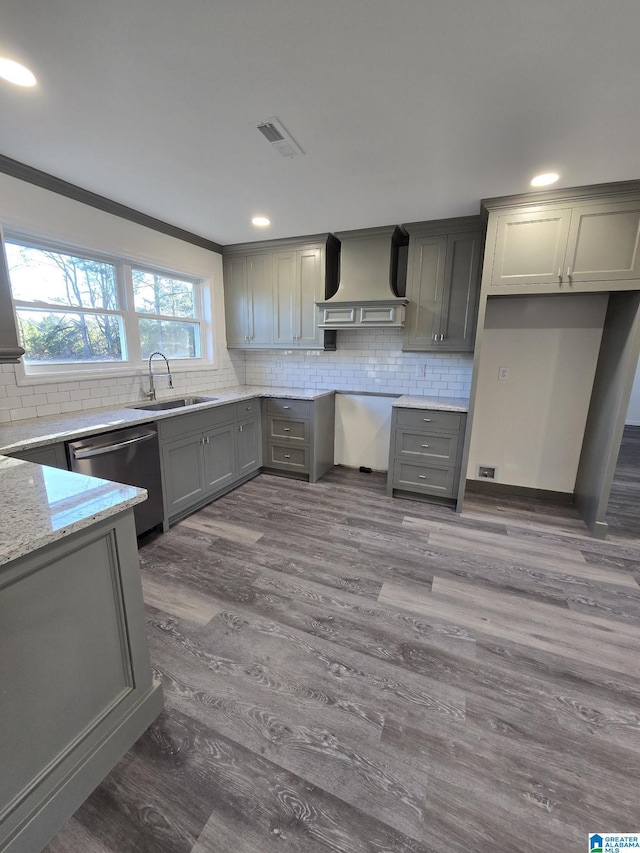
(366,360)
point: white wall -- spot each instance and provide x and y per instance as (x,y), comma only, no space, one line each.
(531,426)
(39,212)
(363,426)
(633,412)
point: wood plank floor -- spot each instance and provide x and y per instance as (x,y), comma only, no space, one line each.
(346,672)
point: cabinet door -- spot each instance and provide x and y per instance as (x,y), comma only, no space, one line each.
(310,289)
(53,455)
(530,247)
(426,280)
(460,293)
(249,446)
(604,243)
(183,480)
(284,287)
(260,299)
(219,452)
(235,301)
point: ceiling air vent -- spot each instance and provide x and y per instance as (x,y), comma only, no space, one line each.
(274,132)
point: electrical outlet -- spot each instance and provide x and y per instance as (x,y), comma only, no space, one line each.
(503,373)
(486,472)
(421,370)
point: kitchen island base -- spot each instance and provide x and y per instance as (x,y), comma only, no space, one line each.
(77,689)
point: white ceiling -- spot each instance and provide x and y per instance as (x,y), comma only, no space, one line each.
(406,109)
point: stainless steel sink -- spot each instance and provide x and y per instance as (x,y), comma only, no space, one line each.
(163,405)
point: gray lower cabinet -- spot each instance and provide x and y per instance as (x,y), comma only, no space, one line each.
(206,454)
(564,245)
(298,436)
(443,284)
(77,688)
(425,453)
(53,455)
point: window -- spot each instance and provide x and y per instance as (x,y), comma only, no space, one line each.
(77,313)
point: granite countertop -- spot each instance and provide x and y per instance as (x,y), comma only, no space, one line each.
(39,432)
(443,404)
(42,505)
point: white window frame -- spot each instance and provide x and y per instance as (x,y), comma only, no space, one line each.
(134,364)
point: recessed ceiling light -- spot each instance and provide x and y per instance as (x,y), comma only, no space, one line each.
(261,221)
(545,180)
(16,73)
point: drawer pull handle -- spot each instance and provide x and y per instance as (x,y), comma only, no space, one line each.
(286,407)
(422,476)
(427,420)
(287,456)
(287,429)
(424,445)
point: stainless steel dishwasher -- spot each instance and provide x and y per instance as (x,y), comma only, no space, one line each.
(129,456)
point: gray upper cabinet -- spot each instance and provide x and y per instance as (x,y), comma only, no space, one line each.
(572,243)
(248,300)
(270,294)
(297,284)
(443,277)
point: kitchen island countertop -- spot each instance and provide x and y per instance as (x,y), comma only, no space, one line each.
(42,505)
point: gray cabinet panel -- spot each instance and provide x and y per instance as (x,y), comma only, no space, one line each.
(178,426)
(235,301)
(443,282)
(287,428)
(260,299)
(285,456)
(425,291)
(604,243)
(271,294)
(182,467)
(426,452)
(310,290)
(289,408)
(77,689)
(248,409)
(299,436)
(460,297)
(249,446)
(219,457)
(53,455)
(433,448)
(427,478)
(429,420)
(284,287)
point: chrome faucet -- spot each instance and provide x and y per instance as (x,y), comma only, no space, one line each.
(151,393)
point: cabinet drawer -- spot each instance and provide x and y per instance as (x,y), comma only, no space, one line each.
(178,425)
(434,448)
(284,456)
(424,478)
(287,428)
(430,420)
(289,408)
(247,409)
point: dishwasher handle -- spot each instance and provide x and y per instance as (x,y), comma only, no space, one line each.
(109,448)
